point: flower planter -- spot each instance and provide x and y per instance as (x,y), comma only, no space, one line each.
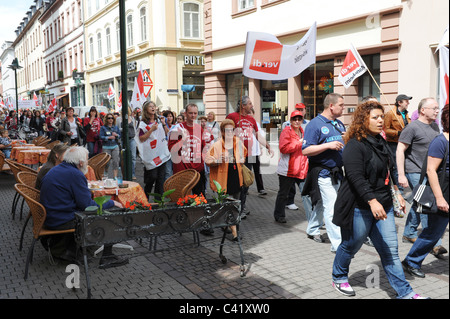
(119,225)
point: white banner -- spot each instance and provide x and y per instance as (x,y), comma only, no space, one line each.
(267,59)
(352,68)
(443,79)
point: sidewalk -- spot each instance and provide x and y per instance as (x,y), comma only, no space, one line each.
(282,263)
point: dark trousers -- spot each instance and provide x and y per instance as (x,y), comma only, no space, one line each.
(286,184)
(254,162)
(155,177)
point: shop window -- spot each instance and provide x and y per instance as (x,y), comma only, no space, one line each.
(100,94)
(237,86)
(274,102)
(366,85)
(317,81)
(193,77)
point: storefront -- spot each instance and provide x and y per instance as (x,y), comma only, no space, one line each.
(192,68)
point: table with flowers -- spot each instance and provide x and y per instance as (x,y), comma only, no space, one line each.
(134,192)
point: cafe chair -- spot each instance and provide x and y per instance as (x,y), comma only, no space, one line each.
(26,178)
(16,168)
(4,167)
(183,182)
(50,145)
(38,139)
(38,214)
(98,163)
(43,142)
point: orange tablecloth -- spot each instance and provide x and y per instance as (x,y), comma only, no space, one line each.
(15,149)
(19,153)
(33,156)
(18,142)
(123,195)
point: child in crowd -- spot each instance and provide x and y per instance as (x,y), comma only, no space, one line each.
(5,143)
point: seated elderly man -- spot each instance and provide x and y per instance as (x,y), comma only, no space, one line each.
(64,191)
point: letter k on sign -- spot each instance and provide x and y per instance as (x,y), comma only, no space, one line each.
(266,57)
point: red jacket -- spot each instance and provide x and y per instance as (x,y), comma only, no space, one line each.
(292,162)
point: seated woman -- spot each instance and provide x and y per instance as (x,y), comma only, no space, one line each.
(55,157)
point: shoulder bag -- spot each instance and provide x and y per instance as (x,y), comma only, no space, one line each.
(423,197)
(248,176)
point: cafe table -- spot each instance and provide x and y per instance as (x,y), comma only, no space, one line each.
(34,156)
(20,152)
(15,150)
(134,192)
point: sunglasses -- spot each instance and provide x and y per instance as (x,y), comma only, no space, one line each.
(110,118)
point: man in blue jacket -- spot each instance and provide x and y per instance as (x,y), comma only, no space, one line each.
(64,191)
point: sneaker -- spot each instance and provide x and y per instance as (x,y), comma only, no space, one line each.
(408,240)
(292,207)
(344,289)
(369,242)
(417,296)
(316,238)
(262,192)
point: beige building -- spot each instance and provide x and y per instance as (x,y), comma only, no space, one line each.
(395,38)
(28,50)
(163,37)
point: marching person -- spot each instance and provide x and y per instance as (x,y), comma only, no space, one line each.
(292,166)
(364,206)
(323,145)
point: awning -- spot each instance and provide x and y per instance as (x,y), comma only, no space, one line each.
(61,96)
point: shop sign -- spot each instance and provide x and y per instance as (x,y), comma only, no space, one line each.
(132,66)
(197,60)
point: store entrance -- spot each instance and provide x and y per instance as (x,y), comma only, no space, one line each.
(274,104)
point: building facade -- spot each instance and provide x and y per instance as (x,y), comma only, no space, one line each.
(63,51)
(6,58)
(379,30)
(28,50)
(163,38)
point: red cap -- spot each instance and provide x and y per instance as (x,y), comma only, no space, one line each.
(102,113)
(300,106)
(296,113)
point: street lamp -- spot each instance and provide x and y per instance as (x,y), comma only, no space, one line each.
(14,66)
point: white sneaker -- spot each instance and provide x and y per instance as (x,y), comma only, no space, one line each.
(344,289)
(292,207)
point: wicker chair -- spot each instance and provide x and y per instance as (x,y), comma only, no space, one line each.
(52,144)
(38,214)
(43,142)
(96,160)
(4,167)
(183,182)
(38,139)
(100,169)
(29,179)
(16,168)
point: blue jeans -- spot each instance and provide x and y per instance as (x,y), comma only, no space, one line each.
(384,237)
(323,212)
(414,219)
(427,240)
(7,153)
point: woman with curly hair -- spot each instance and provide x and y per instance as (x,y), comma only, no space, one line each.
(364,206)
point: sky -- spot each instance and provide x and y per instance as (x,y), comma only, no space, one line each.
(12,13)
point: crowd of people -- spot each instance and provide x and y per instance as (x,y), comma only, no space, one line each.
(348,177)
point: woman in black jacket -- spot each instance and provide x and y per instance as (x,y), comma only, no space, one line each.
(364,206)
(37,122)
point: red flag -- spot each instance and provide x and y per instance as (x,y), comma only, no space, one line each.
(352,68)
(52,105)
(119,103)
(140,82)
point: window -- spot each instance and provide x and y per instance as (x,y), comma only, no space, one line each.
(99,44)
(108,41)
(117,36)
(130,30)
(91,49)
(191,20)
(366,86)
(143,17)
(246,4)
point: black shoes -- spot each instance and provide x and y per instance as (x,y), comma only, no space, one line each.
(262,192)
(316,238)
(111,261)
(280,220)
(413,271)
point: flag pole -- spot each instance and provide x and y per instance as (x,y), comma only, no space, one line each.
(391,108)
(315,74)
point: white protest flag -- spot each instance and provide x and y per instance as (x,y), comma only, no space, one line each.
(51,107)
(136,99)
(352,68)
(443,70)
(267,59)
(111,92)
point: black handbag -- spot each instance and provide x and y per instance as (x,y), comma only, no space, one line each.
(424,200)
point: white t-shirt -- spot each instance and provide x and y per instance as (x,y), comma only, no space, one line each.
(73,128)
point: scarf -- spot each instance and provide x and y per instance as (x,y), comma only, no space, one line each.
(379,147)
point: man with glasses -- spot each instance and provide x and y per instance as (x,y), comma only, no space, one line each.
(412,150)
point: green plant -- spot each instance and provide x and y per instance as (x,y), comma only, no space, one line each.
(161,200)
(100,202)
(221,195)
